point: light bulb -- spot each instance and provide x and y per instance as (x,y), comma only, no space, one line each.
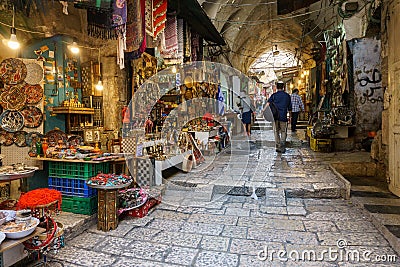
(13,41)
(74,48)
(291,85)
(302,75)
(173,69)
(299,82)
(99,86)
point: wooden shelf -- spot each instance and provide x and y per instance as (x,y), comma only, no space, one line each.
(72,110)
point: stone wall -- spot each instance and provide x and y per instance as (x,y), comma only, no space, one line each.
(367,85)
(114,93)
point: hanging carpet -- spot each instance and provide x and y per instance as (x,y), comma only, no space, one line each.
(156,16)
(171,38)
(99,18)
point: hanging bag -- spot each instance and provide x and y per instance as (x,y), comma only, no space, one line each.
(272,113)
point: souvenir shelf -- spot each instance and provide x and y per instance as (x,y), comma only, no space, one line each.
(76,116)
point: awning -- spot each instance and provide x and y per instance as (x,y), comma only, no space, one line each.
(193,13)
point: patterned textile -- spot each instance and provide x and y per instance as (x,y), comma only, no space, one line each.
(180,38)
(195,46)
(119,15)
(188,37)
(134,26)
(156,16)
(99,18)
(171,38)
(297,103)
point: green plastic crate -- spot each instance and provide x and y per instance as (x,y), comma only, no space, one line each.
(80,205)
(77,170)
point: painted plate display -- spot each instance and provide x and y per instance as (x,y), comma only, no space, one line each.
(13,97)
(6,138)
(33,116)
(33,93)
(34,73)
(33,137)
(75,140)
(12,71)
(11,121)
(55,135)
(20,138)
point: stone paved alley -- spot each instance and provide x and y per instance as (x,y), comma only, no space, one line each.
(300,210)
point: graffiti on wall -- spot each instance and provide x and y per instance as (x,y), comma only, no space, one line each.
(371,85)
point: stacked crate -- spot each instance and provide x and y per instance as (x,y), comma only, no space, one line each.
(70,179)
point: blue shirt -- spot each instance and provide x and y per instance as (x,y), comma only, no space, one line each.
(283,103)
(297,103)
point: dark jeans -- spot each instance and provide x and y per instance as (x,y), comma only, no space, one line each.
(295,116)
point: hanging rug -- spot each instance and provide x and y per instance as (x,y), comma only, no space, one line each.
(12,71)
(33,116)
(34,73)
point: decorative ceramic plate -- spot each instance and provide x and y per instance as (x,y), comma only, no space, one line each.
(12,71)
(20,138)
(33,137)
(55,135)
(34,73)
(75,140)
(11,121)
(13,97)
(6,138)
(33,93)
(33,116)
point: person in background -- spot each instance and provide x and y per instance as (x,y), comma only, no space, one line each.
(284,104)
(297,106)
(245,105)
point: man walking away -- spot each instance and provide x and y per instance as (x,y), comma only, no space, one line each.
(283,102)
(297,106)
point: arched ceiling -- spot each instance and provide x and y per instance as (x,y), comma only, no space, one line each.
(252,27)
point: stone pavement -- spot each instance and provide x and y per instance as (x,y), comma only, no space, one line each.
(208,218)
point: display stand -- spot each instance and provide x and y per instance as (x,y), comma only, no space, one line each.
(107,206)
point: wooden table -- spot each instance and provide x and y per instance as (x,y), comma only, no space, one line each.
(12,250)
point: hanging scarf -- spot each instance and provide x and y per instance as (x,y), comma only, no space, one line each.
(134,27)
(156,16)
(171,38)
(99,18)
(119,16)
(180,38)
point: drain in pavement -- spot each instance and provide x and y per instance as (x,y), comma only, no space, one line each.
(184,184)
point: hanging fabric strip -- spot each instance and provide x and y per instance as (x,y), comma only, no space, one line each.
(171,38)
(99,18)
(180,38)
(159,16)
(156,16)
(134,35)
(119,16)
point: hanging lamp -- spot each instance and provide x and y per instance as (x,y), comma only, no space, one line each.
(13,41)
(99,86)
